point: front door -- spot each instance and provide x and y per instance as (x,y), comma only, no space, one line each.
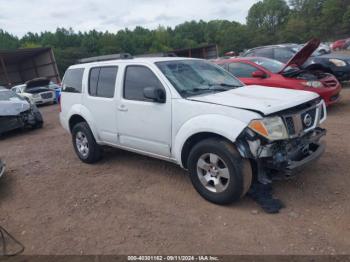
(143,124)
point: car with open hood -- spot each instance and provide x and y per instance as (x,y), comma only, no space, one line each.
(195,114)
(333,63)
(17,112)
(268,72)
(37,90)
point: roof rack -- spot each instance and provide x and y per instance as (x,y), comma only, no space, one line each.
(105,58)
(166,54)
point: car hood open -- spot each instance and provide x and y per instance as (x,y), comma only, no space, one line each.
(37,82)
(262,99)
(303,55)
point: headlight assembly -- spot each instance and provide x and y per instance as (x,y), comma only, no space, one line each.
(271,128)
(314,84)
(337,62)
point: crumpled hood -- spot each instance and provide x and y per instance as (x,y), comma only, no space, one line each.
(14,107)
(266,100)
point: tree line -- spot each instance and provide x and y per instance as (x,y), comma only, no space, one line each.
(268,22)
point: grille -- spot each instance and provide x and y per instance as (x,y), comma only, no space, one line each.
(300,122)
(46,95)
(307,115)
(330,83)
(290,125)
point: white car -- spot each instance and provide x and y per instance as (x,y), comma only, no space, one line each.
(37,92)
(195,114)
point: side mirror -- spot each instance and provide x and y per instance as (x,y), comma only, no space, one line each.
(258,74)
(155,94)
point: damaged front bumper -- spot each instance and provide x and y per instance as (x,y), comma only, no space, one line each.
(285,156)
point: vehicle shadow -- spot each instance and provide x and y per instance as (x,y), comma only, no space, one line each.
(6,186)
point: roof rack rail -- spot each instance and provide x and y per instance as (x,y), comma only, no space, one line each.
(164,54)
(105,58)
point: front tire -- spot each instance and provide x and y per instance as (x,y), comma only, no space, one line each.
(84,143)
(218,172)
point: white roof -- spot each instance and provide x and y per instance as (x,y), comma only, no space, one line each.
(133,60)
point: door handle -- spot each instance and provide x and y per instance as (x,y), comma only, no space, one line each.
(122,108)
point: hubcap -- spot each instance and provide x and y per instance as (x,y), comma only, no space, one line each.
(82,144)
(213,173)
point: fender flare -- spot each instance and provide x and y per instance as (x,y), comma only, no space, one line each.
(224,126)
(83,112)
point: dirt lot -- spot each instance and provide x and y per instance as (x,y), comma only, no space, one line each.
(130,204)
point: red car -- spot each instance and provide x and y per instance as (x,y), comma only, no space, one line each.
(269,72)
(340,44)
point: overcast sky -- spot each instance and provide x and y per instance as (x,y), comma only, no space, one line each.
(21,16)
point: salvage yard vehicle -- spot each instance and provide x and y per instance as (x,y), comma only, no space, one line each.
(2,168)
(268,72)
(335,63)
(17,112)
(196,114)
(37,90)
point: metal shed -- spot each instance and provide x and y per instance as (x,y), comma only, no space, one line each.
(21,65)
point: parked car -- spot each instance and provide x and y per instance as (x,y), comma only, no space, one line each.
(269,72)
(334,63)
(340,44)
(2,168)
(195,114)
(37,90)
(17,112)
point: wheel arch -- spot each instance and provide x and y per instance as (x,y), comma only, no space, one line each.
(204,127)
(82,114)
(193,140)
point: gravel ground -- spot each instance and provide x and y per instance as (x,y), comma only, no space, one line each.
(131,204)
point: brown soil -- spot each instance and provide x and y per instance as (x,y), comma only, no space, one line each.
(131,204)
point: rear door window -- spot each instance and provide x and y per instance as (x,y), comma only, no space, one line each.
(102,81)
(283,54)
(264,52)
(72,80)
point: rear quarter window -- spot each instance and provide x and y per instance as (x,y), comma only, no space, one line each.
(72,80)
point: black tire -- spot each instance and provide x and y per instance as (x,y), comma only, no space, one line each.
(39,122)
(94,150)
(240,171)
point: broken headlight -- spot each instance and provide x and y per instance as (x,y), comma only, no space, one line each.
(271,128)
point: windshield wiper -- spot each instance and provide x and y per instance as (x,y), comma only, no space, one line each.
(224,84)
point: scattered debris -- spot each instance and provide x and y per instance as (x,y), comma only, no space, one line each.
(262,194)
(9,246)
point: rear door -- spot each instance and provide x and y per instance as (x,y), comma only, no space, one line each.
(144,125)
(99,99)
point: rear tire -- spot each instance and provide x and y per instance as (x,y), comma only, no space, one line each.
(84,143)
(218,172)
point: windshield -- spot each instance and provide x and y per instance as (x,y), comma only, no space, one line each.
(194,77)
(271,65)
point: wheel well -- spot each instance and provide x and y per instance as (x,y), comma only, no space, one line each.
(192,141)
(75,119)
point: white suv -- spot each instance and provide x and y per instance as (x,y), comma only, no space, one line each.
(193,113)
